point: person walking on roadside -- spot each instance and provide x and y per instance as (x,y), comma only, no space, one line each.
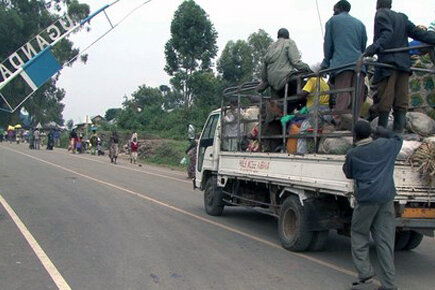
(371,165)
(93,141)
(344,43)
(134,146)
(50,140)
(392,30)
(73,141)
(11,135)
(31,139)
(37,139)
(114,140)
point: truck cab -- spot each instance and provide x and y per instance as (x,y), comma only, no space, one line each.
(208,150)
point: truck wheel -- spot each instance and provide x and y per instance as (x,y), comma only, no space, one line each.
(293,227)
(319,240)
(213,196)
(415,239)
(402,239)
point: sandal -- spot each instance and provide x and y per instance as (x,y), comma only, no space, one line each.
(362,284)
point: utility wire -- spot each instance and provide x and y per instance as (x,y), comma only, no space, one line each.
(320,19)
(81,52)
(108,31)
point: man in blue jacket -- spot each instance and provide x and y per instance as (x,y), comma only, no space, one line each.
(345,42)
(392,30)
(371,165)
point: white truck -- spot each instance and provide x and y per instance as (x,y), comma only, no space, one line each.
(309,194)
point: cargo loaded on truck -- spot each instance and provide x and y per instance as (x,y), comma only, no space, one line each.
(308,193)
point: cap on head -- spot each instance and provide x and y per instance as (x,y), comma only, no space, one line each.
(283,33)
(362,129)
(383,4)
(342,6)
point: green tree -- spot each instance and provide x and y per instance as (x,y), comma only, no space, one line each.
(191,47)
(147,97)
(143,110)
(259,42)
(236,63)
(19,22)
(111,114)
(70,124)
(45,105)
(206,89)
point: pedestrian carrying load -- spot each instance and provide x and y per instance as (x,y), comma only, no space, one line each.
(134,146)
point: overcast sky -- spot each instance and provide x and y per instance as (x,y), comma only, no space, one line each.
(133,53)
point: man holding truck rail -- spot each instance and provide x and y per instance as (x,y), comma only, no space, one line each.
(371,165)
(392,30)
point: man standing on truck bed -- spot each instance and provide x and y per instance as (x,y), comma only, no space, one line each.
(371,165)
(392,30)
(345,42)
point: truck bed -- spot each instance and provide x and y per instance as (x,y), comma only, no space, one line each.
(322,173)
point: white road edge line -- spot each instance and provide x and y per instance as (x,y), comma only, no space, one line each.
(197,217)
(42,256)
(131,169)
(137,170)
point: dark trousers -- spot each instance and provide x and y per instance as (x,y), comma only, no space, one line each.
(347,79)
(393,92)
(377,219)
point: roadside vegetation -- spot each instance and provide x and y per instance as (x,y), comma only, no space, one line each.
(197,81)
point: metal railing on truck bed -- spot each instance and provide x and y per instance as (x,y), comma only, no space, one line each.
(246,97)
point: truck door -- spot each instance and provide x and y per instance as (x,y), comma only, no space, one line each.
(206,151)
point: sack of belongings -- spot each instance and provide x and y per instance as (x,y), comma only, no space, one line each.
(412,137)
(430,139)
(408,148)
(335,145)
(305,145)
(420,123)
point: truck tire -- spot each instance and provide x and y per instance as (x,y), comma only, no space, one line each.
(319,240)
(402,240)
(213,196)
(293,226)
(415,239)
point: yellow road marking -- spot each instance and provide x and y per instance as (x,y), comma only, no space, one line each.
(42,256)
(228,228)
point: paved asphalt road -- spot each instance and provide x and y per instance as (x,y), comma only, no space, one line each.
(79,222)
